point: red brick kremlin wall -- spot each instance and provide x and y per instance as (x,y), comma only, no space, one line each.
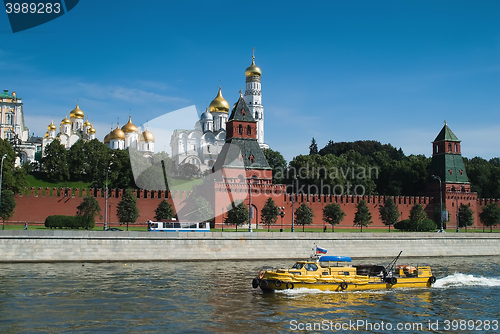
(40,203)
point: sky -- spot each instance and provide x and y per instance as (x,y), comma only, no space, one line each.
(390,71)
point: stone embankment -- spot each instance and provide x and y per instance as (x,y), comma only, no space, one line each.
(61,245)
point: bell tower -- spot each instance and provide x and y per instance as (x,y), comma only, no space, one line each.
(253,99)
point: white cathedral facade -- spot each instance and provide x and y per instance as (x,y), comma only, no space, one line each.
(75,129)
(202,145)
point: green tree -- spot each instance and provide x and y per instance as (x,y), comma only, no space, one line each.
(490,215)
(417,215)
(121,175)
(187,171)
(97,161)
(363,216)
(87,210)
(269,213)
(277,163)
(333,214)
(77,161)
(7,205)
(164,211)
(127,210)
(313,148)
(13,178)
(237,214)
(304,215)
(55,162)
(202,210)
(465,216)
(389,213)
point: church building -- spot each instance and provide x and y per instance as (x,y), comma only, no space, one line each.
(202,145)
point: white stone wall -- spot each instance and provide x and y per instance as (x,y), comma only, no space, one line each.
(58,245)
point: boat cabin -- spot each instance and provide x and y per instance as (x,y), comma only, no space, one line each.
(324,266)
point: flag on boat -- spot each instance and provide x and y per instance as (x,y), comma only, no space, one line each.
(320,250)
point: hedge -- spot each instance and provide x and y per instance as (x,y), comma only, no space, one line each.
(72,222)
(427,225)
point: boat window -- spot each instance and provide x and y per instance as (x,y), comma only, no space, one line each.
(311,267)
(297,266)
(177,225)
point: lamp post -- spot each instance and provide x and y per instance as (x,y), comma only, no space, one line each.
(106,199)
(250,211)
(1,173)
(293,202)
(458,212)
(440,201)
(282,214)
(106,204)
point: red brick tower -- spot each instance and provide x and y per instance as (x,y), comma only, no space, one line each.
(243,166)
(447,165)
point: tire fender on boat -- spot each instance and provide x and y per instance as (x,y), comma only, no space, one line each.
(255,283)
(277,283)
(343,285)
(432,279)
(290,286)
(263,284)
(393,280)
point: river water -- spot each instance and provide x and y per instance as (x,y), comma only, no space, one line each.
(217,297)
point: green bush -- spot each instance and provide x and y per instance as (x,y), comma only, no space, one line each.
(71,222)
(427,225)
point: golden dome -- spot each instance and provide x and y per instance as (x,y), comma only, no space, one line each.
(253,70)
(147,136)
(51,127)
(106,139)
(129,127)
(46,135)
(65,121)
(219,104)
(76,113)
(117,134)
(87,123)
(91,130)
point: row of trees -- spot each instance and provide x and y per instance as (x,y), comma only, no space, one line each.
(389,215)
(89,161)
(388,171)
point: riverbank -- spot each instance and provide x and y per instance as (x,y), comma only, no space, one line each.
(96,246)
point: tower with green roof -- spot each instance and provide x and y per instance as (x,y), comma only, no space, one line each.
(448,166)
(447,162)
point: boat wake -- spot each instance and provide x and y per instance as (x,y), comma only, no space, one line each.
(458,280)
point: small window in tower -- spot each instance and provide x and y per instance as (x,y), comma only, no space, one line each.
(250,102)
(240,129)
(437,149)
(449,147)
(249,130)
(450,171)
(252,159)
(240,158)
(243,113)
(461,172)
(456,147)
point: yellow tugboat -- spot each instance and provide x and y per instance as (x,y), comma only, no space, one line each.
(335,273)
